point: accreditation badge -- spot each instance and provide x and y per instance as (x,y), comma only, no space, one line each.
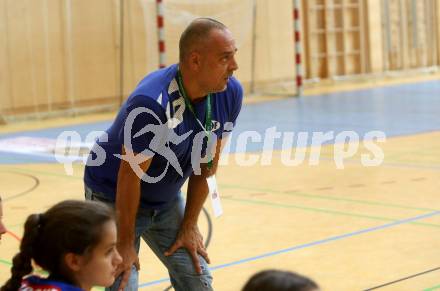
(214,196)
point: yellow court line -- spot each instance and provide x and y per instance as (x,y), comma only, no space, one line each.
(56,122)
(328,86)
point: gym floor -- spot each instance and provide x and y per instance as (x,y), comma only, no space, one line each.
(350,228)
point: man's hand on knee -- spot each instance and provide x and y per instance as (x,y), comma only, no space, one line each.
(190,239)
(129,258)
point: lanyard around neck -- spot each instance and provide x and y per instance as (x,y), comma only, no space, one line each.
(208,120)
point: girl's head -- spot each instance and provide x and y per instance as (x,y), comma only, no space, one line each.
(75,241)
(2,226)
(279,280)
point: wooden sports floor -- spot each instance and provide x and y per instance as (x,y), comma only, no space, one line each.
(356,228)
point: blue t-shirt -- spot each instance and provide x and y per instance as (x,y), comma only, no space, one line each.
(35,283)
(156,122)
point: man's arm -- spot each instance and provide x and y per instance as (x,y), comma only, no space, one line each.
(128,192)
(189,235)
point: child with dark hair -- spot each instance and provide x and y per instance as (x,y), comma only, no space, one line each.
(2,226)
(271,280)
(75,241)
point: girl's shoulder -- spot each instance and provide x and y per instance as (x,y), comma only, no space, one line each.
(35,283)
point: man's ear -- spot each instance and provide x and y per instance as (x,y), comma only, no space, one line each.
(194,61)
(73,261)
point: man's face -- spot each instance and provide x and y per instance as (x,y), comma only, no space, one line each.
(217,61)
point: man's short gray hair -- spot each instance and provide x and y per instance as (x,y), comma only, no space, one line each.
(196,32)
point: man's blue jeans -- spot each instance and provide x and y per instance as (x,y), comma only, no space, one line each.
(159,228)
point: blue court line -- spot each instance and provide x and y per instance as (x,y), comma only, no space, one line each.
(307,245)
